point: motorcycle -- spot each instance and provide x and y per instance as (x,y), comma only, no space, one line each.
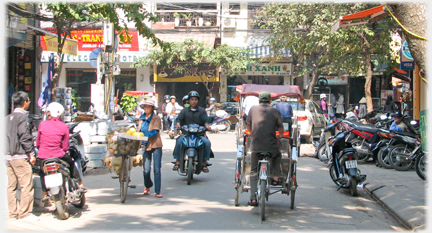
(221,124)
(174,133)
(420,166)
(402,157)
(191,156)
(62,189)
(343,164)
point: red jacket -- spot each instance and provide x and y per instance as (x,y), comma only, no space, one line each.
(52,139)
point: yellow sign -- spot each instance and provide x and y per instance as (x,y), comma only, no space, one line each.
(203,72)
(70,46)
(186,79)
(27,80)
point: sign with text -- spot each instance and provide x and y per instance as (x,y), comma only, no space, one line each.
(199,73)
(85,56)
(335,80)
(264,69)
(407,61)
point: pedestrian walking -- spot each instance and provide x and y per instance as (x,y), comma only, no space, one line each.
(20,156)
(150,124)
(340,110)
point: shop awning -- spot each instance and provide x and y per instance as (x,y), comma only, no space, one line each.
(362,17)
(50,39)
(206,38)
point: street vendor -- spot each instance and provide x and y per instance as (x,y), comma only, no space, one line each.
(149,124)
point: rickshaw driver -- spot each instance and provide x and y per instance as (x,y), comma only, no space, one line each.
(192,115)
(262,121)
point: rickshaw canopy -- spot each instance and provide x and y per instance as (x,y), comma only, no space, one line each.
(275,90)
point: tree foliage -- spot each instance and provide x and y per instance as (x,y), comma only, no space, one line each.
(305,28)
(192,52)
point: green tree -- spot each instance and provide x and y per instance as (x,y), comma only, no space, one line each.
(304,28)
(192,53)
(68,16)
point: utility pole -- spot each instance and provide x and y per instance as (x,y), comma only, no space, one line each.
(109,42)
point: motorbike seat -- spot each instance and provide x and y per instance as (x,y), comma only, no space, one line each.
(367,128)
(54,159)
(349,150)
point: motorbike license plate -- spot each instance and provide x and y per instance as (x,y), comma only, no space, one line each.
(351,164)
(53,180)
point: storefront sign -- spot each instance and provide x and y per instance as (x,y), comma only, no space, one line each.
(335,80)
(386,93)
(202,72)
(264,69)
(88,40)
(407,61)
(85,56)
(423,128)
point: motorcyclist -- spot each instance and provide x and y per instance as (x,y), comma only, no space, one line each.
(262,121)
(171,110)
(185,101)
(211,110)
(53,141)
(192,115)
(165,113)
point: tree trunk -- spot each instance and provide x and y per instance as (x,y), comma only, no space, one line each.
(315,74)
(413,16)
(369,72)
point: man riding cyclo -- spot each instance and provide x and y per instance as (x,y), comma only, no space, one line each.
(262,121)
(192,115)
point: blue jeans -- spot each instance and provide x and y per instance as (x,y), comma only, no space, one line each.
(157,158)
(206,146)
(172,119)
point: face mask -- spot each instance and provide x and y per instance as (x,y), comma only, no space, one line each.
(187,105)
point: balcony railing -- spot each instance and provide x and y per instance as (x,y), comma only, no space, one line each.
(198,19)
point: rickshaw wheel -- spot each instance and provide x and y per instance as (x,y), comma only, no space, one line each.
(236,196)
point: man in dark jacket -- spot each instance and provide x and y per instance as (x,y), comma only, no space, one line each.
(20,155)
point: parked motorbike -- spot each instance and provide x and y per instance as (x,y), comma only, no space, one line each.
(420,165)
(402,157)
(62,189)
(221,124)
(191,156)
(343,164)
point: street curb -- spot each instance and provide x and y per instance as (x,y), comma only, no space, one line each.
(381,192)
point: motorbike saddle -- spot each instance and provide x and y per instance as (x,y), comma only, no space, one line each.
(406,134)
(54,159)
(367,128)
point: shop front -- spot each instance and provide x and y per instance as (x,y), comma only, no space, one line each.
(260,73)
(202,78)
(79,71)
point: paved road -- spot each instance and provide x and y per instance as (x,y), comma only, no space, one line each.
(208,203)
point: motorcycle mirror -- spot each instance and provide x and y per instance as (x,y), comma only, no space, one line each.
(413,122)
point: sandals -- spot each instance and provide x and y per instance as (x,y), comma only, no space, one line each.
(158,195)
(146,191)
(253,203)
(176,167)
(205,169)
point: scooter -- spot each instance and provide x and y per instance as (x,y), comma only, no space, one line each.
(343,167)
(221,124)
(192,149)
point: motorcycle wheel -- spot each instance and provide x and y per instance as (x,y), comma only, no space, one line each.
(190,171)
(322,153)
(262,199)
(399,158)
(227,126)
(236,196)
(353,186)
(82,201)
(358,145)
(333,176)
(383,157)
(420,166)
(61,204)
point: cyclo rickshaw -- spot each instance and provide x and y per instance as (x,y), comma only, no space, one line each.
(289,147)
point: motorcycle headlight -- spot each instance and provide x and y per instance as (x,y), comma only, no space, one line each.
(193,129)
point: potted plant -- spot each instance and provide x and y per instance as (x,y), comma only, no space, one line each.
(188,19)
(176,18)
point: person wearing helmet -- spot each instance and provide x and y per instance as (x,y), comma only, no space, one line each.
(286,111)
(323,104)
(211,110)
(193,115)
(165,113)
(53,141)
(185,101)
(173,109)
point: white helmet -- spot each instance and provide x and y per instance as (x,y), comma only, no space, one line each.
(351,115)
(322,96)
(55,109)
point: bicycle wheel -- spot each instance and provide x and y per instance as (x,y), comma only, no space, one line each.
(262,198)
(124,178)
(293,186)
(237,182)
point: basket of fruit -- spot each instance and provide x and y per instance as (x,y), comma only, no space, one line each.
(125,142)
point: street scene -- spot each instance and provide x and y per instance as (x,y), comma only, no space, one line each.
(294,116)
(208,203)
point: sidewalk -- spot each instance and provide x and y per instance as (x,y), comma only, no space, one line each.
(403,194)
